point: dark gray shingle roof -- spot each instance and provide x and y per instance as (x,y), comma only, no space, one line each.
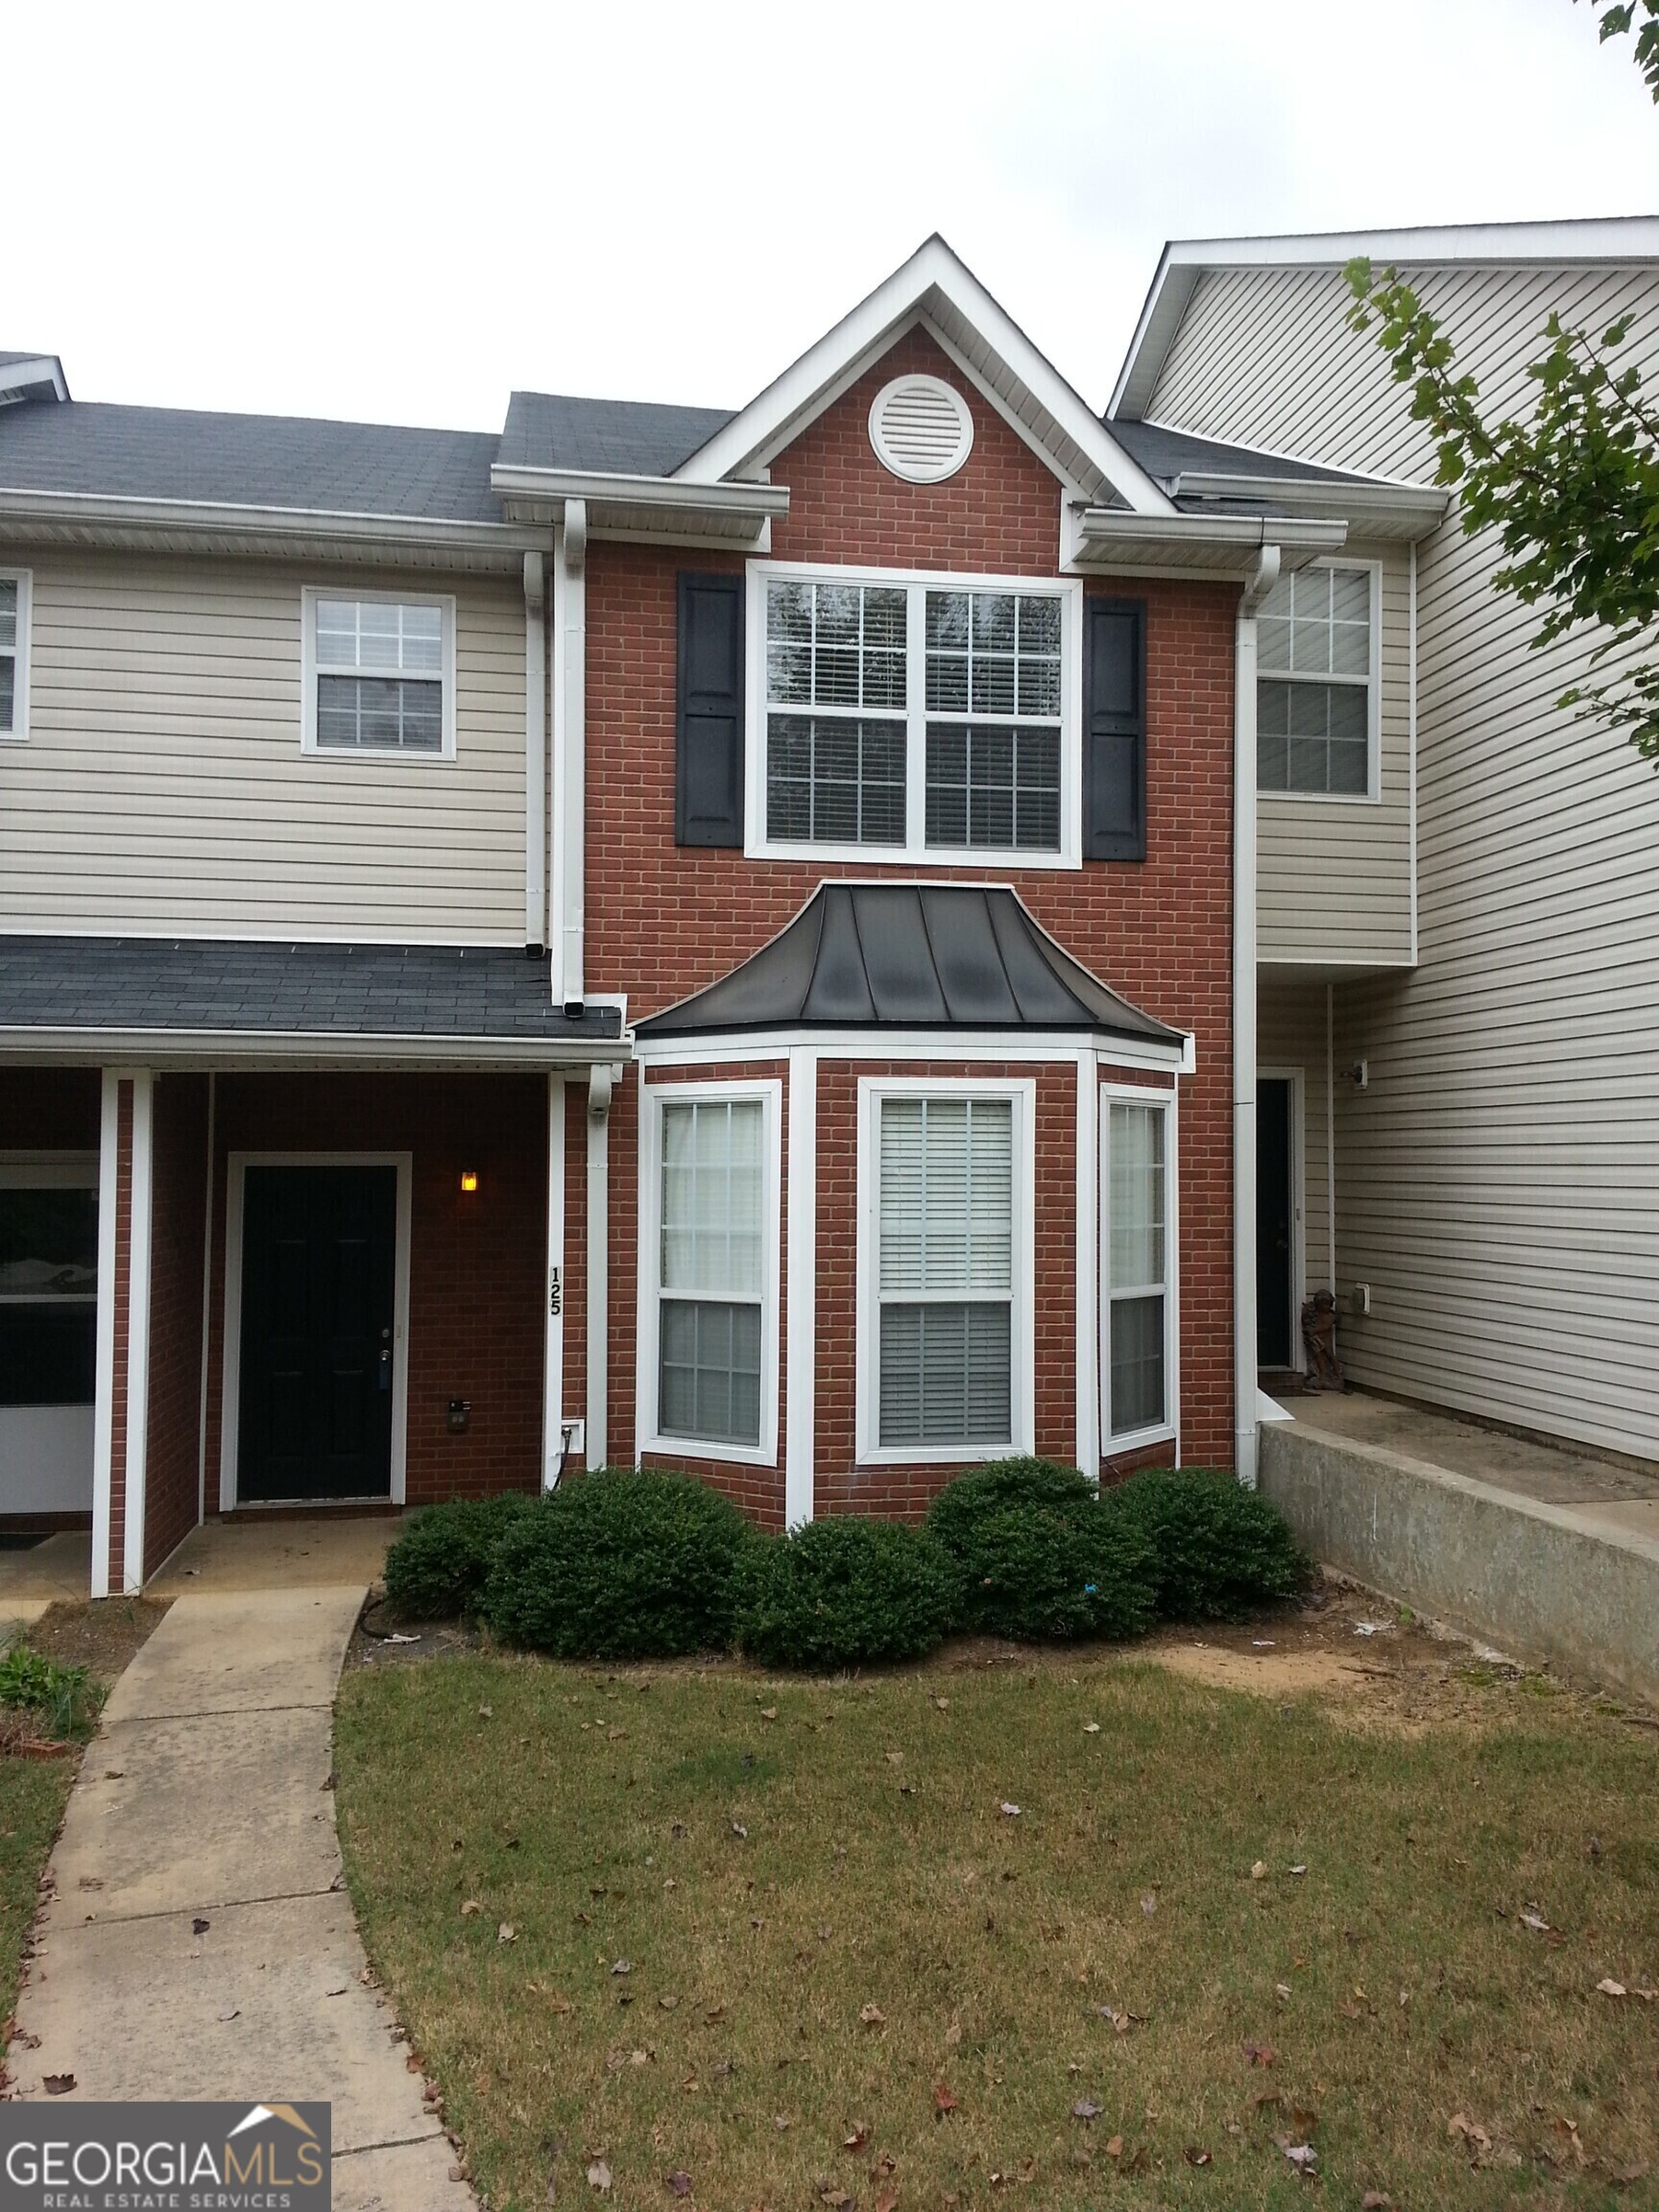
(1165,454)
(910,956)
(249,460)
(621,437)
(279,989)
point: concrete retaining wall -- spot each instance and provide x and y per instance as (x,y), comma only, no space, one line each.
(1541,1582)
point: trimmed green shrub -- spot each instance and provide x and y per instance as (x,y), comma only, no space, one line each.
(1041,1558)
(622,1564)
(437,1566)
(1220,1551)
(845,1592)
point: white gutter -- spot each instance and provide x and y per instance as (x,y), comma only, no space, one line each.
(20,1043)
(1220,545)
(97,514)
(565,920)
(1410,507)
(1261,580)
(535,751)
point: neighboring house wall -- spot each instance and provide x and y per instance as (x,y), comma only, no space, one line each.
(664,921)
(1334,875)
(162,786)
(1499,1178)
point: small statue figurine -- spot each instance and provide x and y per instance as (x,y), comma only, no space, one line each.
(1319,1336)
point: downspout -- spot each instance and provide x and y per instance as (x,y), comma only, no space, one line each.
(1331,1138)
(1262,577)
(535,752)
(571,766)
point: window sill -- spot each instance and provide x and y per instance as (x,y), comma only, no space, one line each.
(999,857)
(380,755)
(941,1455)
(1137,1441)
(700,1448)
(1323,798)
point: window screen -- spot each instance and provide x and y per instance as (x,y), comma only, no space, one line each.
(1313,690)
(945,1271)
(711,1271)
(379,675)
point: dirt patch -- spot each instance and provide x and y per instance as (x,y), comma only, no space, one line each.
(381,1638)
(1263,1674)
(104,1637)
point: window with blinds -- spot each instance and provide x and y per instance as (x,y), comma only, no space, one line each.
(835,732)
(378,676)
(1313,702)
(945,1272)
(711,1270)
(1138,1266)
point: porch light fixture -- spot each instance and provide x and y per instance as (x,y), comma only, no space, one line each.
(469,1181)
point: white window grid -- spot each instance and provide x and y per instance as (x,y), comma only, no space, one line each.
(1005,748)
(367,635)
(1285,637)
(1115,1439)
(652,1291)
(1020,1093)
(15,609)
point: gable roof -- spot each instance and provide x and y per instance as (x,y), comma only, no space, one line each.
(872,955)
(1612,239)
(609,437)
(937,291)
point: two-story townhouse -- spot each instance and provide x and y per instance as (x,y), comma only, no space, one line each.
(722,941)
(1459,993)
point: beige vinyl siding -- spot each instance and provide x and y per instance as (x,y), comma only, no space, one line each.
(1334,875)
(1290,1034)
(162,786)
(1497,1181)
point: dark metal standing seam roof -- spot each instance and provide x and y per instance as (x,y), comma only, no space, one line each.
(483,993)
(910,956)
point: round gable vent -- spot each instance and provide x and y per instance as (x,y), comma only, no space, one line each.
(921,429)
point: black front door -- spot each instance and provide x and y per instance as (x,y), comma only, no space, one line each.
(314,1417)
(1274,1320)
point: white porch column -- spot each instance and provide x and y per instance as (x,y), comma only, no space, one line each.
(121,1410)
(1089,1262)
(601,1081)
(138,1326)
(553,1356)
(801,1367)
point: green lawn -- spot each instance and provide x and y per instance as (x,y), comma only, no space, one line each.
(1368,2005)
(32,1794)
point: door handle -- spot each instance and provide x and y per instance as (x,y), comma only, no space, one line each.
(384,1378)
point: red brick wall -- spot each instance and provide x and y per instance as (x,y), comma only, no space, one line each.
(663,921)
(177,1234)
(477,1292)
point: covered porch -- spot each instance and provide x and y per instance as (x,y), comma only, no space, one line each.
(282,1232)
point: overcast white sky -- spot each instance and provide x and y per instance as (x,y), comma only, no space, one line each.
(401,212)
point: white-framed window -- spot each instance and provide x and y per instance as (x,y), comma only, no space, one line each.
(1317,662)
(379,675)
(895,714)
(709,1269)
(946,1262)
(14,610)
(1138,1302)
(48,1279)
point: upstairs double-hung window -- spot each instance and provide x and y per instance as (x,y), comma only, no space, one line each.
(13,653)
(918,716)
(379,675)
(1316,684)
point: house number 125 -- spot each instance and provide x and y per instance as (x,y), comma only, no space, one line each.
(555,1292)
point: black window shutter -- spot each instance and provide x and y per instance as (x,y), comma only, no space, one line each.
(709,713)
(1114,730)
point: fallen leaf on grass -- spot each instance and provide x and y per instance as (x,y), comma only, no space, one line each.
(667,2004)
(1469,2131)
(506,1933)
(467,1910)
(739,1830)
(872,2017)
(943,2101)
(1010,1809)
(887,2201)
(599,2176)
(1086,2110)
(1608,1987)
(1259,1872)
(1149,1903)
(1282,1990)
(1375,2201)
(1259,2054)
(1532,1918)
(486,1712)
(623,1966)
(678,2184)
(713,2013)
(835,2198)
(781,2120)
(1194,2156)
(860,2136)
(558,2004)
(953,2033)
(1115,2147)
(1302,2155)
(1091,1727)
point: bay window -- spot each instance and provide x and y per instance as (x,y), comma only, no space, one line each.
(922,716)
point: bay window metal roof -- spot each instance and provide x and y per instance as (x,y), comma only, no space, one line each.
(932,956)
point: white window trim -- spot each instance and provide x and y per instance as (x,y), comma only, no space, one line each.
(769,1090)
(24,579)
(1113,1444)
(915,850)
(309,595)
(48,1171)
(237,1165)
(1021,1092)
(1372,795)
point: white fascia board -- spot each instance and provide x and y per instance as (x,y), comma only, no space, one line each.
(1414,508)
(299,1047)
(793,398)
(1041,1048)
(760,502)
(93,515)
(1620,238)
(1216,545)
(17,378)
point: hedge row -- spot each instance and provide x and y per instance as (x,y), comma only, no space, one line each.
(630,1564)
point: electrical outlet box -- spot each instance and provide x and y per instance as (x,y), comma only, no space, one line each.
(575,1434)
(1361,1074)
(1359,1298)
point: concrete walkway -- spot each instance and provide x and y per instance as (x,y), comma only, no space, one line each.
(199,1943)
